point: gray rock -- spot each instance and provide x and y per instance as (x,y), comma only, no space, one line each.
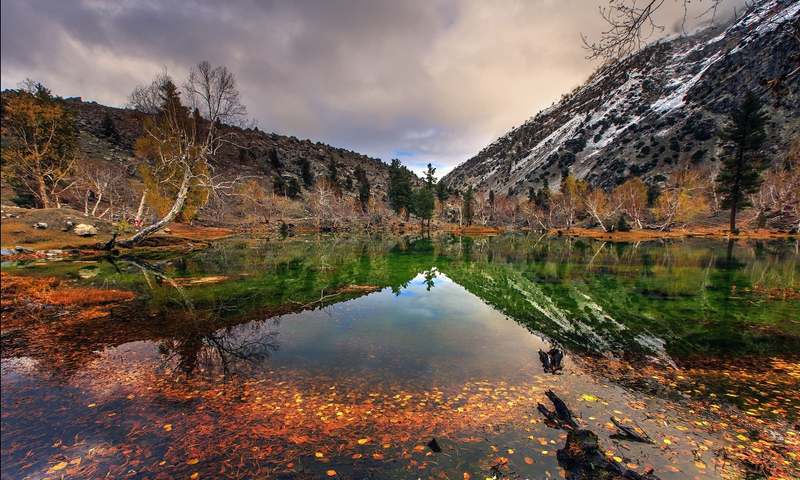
(68,225)
(84,230)
(20,249)
(6,251)
(40,225)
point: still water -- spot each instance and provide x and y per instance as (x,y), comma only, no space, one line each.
(342,358)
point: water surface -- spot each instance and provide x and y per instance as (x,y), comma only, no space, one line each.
(318,357)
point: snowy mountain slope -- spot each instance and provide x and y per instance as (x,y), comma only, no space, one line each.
(653,110)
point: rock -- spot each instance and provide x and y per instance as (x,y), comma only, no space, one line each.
(68,225)
(166,230)
(6,251)
(20,249)
(40,225)
(54,253)
(84,230)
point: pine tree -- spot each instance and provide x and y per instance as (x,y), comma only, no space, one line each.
(306,173)
(400,194)
(468,209)
(363,188)
(333,175)
(108,129)
(422,206)
(430,180)
(740,172)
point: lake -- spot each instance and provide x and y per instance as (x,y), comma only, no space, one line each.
(328,357)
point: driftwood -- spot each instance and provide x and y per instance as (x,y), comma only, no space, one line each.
(561,417)
(581,457)
(629,433)
(551,360)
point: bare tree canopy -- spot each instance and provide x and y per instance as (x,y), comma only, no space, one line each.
(213,91)
(632,23)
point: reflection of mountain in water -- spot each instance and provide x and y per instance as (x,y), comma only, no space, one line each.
(656,300)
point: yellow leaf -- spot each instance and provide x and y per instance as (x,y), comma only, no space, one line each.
(742,437)
(58,466)
(510,451)
(529,460)
(195,475)
(667,441)
(319,454)
(168,427)
(363,441)
(331,473)
(192,461)
(589,397)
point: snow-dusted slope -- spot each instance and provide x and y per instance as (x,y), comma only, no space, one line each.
(653,110)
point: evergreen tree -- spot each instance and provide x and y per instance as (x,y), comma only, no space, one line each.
(363,188)
(279,185)
(108,129)
(740,172)
(306,173)
(468,209)
(423,203)
(430,180)
(400,194)
(333,174)
(442,194)
(292,188)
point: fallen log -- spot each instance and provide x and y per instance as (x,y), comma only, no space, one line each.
(551,360)
(582,459)
(562,416)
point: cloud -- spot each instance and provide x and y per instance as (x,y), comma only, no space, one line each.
(436,80)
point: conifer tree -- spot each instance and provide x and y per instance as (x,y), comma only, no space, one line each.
(468,207)
(363,188)
(740,173)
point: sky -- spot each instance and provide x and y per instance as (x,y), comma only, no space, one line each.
(419,80)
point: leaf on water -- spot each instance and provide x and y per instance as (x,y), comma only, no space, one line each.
(58,466)
(319,454)
(168,427)
(588,397)
(363,441)
(192,461)
(331,473)
(529,460)
(194,476)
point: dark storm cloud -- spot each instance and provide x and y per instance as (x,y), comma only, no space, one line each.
(435,80)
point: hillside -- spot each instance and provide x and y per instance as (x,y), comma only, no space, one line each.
(654,110)
(252,154)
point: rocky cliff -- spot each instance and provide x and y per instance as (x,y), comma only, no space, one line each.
(656,109)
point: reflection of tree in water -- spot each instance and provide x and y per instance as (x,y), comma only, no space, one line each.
(224,350)
(199,345)
(430,276)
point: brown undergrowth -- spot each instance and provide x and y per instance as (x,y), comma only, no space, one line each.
(22,298)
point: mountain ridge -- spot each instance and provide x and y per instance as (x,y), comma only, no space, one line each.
(654,110)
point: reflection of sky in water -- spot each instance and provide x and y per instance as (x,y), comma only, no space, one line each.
(436,333)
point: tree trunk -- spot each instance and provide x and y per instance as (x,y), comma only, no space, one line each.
(97,203)
(170,216)
(735,189)
(140,211)
(43,197)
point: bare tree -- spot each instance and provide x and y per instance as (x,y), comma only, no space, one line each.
(180,145)
(632,23)
(598,206)
(631,199)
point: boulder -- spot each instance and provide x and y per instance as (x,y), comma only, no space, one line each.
(68,225)
(84,230)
